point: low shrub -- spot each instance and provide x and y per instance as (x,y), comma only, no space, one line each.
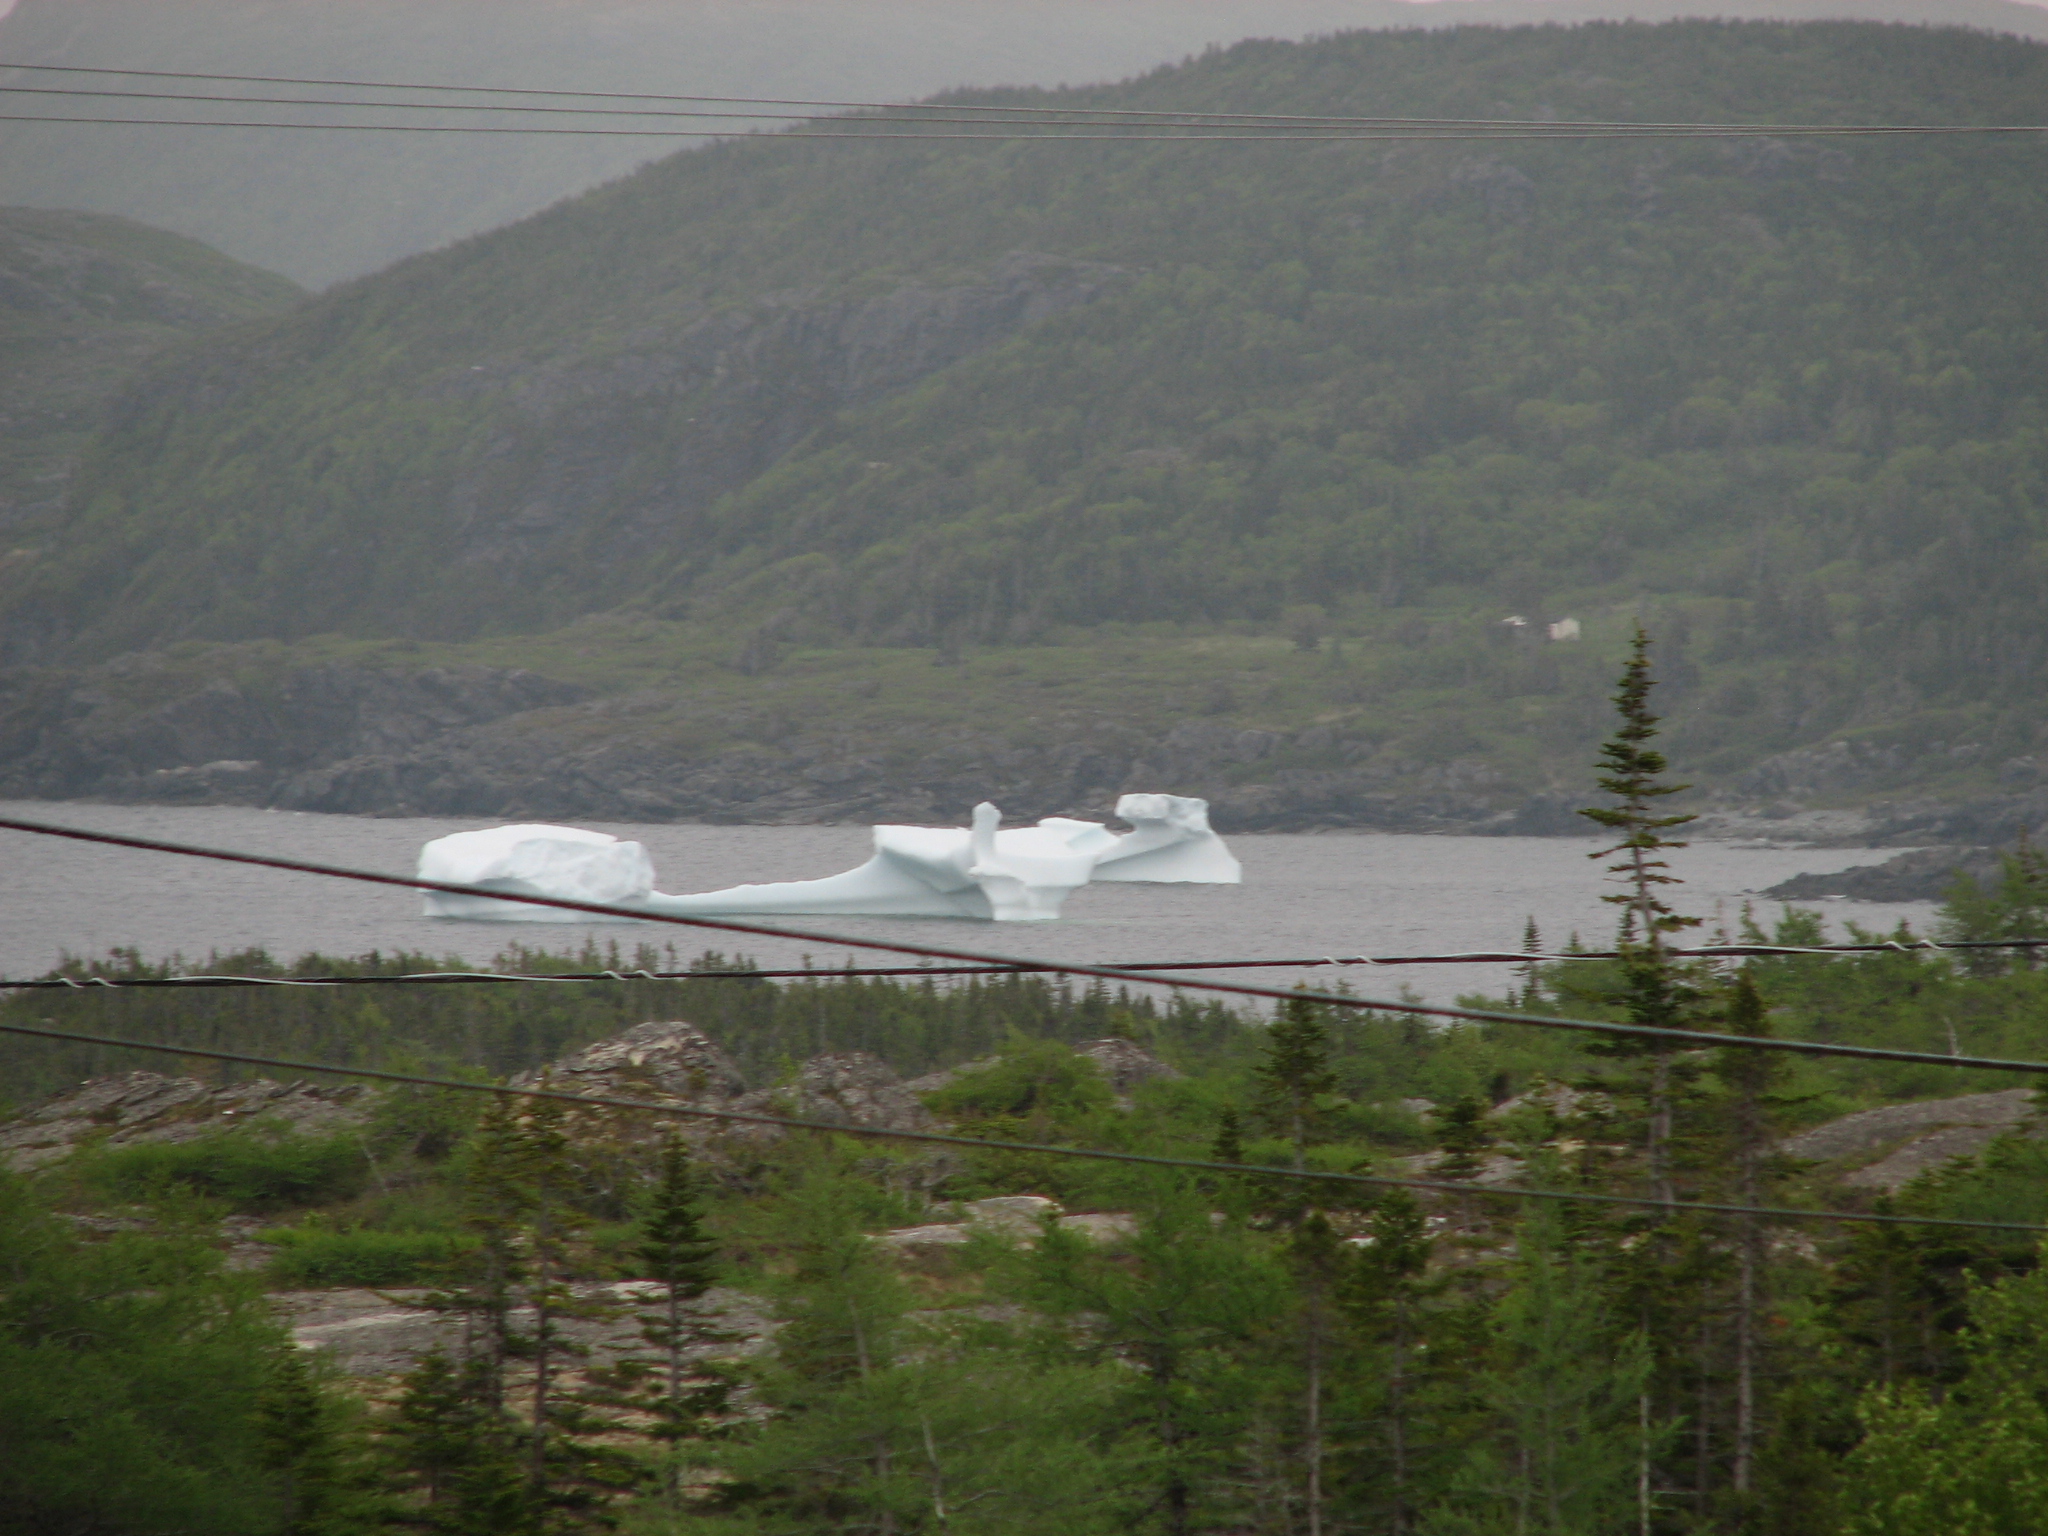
(313,1257)
(245,1169)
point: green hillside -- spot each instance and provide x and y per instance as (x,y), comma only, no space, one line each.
(805,400)
(84,300)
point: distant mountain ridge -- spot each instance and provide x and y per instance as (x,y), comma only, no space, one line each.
(323,207)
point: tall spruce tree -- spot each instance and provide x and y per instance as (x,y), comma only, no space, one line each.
(1387,1297)
(1655,992)
(1749,1076)
(1295,1074)
(675,1252)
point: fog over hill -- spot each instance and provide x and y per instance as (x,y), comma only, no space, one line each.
(321,206)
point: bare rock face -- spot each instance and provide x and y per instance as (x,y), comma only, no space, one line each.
(852,1088)
(1124,1063)
(383,1333)
(1016,1218)
(672,1062)
(1914,1137)
(149,1107)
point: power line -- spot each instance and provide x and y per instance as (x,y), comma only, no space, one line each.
(1017,968)
(942,1138)
(1688,1038)
(1196,126)
(1075,112)
(999,137)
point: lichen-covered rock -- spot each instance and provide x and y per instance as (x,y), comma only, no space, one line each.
(667,1062)
(1914,1137)
(1871,1130)
(1124,1063)
(851,1089)
(150,1107)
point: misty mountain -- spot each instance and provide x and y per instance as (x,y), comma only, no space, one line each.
(324,206)
(84,300)
(1217,464)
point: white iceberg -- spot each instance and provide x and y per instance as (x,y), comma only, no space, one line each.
(1020,875)
(535,860)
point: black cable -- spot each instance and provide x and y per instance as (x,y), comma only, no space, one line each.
(1198,125)
(909,106)
(991,138)
(942,1138)
(1689,1038)
(934,115)
(1020,968)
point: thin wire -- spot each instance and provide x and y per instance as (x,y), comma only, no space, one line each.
(878,1133)
(911,106)
(932,115)
(1689,1038)
(1021,968)
(809,134)
(1201,125)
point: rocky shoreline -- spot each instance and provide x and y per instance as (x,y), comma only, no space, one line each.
(511,744)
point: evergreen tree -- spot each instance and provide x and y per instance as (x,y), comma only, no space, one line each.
(1974,1462)
(1564,1387)
(1386,1298)
(138,1382)
(1228,1146)
(1532,973)
(1462,1135)
(1295,1074)
(1181,1309)
(497,1201)
(312,1449)
(675,1252)
(1654,992)
(2015,908)
(1749,1076)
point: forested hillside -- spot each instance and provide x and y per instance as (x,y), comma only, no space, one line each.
(786,400)
(84,300)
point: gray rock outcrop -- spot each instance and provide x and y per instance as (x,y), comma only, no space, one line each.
(852,1088)
(150,1107)
(1914,1137)
(1125,1064)
(665,1061)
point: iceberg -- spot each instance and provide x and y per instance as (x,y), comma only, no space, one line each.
(981,871)
(535,860)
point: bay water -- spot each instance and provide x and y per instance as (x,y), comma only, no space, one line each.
(1304,894)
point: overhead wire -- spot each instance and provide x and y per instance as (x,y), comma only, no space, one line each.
(992,1144)
(1062,136)
(1687,1038)
(1003,110)
(1020,967)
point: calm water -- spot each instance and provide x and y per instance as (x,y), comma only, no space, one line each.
(1329,893)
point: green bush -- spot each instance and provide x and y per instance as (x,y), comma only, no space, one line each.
(246,1169)
(313,1257)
